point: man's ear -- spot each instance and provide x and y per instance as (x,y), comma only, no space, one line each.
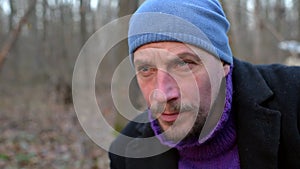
(226,68)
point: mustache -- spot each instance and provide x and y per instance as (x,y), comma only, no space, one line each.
(157,107)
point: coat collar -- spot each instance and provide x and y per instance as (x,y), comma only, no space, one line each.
(249,84)
(258,127)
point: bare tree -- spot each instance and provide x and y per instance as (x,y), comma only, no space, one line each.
(127,7)
(298,2)
(15,33)
(279,15)
(12,14)
(231,10)
(83,7)
(257,30)
(120,51)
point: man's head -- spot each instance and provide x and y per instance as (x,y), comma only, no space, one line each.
(176,82)
(176,47)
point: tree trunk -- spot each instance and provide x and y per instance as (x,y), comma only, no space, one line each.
(15,33)
(279,15)
(257,32)
(297,1)
(12,14)
(45,23)
(230,9)
(83,21)
(127,7)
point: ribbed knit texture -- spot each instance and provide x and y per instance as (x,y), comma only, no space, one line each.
(219,151)
(201,23)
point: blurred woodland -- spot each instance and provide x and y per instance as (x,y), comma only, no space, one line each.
(39,43)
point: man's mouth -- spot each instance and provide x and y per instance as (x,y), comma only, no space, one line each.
(169,117)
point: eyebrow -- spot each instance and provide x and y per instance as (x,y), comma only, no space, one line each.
(189,54)
(141,62)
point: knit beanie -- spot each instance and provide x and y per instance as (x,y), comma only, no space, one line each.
(201,23)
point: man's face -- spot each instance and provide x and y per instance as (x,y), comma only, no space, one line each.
(175,82)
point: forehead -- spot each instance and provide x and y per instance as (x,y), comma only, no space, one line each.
(174,48)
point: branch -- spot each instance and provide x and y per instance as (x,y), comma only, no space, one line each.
(273,31)
(13,35)
(276,34)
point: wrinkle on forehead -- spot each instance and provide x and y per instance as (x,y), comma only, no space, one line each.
(172,47)
(155,53)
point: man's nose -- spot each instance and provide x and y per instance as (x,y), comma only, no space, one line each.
(166,87)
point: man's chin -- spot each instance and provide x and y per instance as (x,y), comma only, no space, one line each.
(182,131)
(176,133)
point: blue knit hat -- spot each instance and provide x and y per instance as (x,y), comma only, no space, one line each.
(201,23)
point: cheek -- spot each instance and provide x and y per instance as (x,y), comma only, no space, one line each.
(197,91)
(146,90)
(204,84)
(204,89)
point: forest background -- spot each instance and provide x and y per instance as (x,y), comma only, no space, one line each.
(40,41)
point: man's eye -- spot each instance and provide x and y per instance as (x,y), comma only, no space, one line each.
(182,63)
(145,70)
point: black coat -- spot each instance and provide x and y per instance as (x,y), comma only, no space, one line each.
(266,103)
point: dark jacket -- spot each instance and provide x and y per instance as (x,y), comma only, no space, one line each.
(266,105)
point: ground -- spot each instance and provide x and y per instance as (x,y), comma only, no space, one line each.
(39,132)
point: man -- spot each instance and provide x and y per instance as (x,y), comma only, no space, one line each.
(206,109)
